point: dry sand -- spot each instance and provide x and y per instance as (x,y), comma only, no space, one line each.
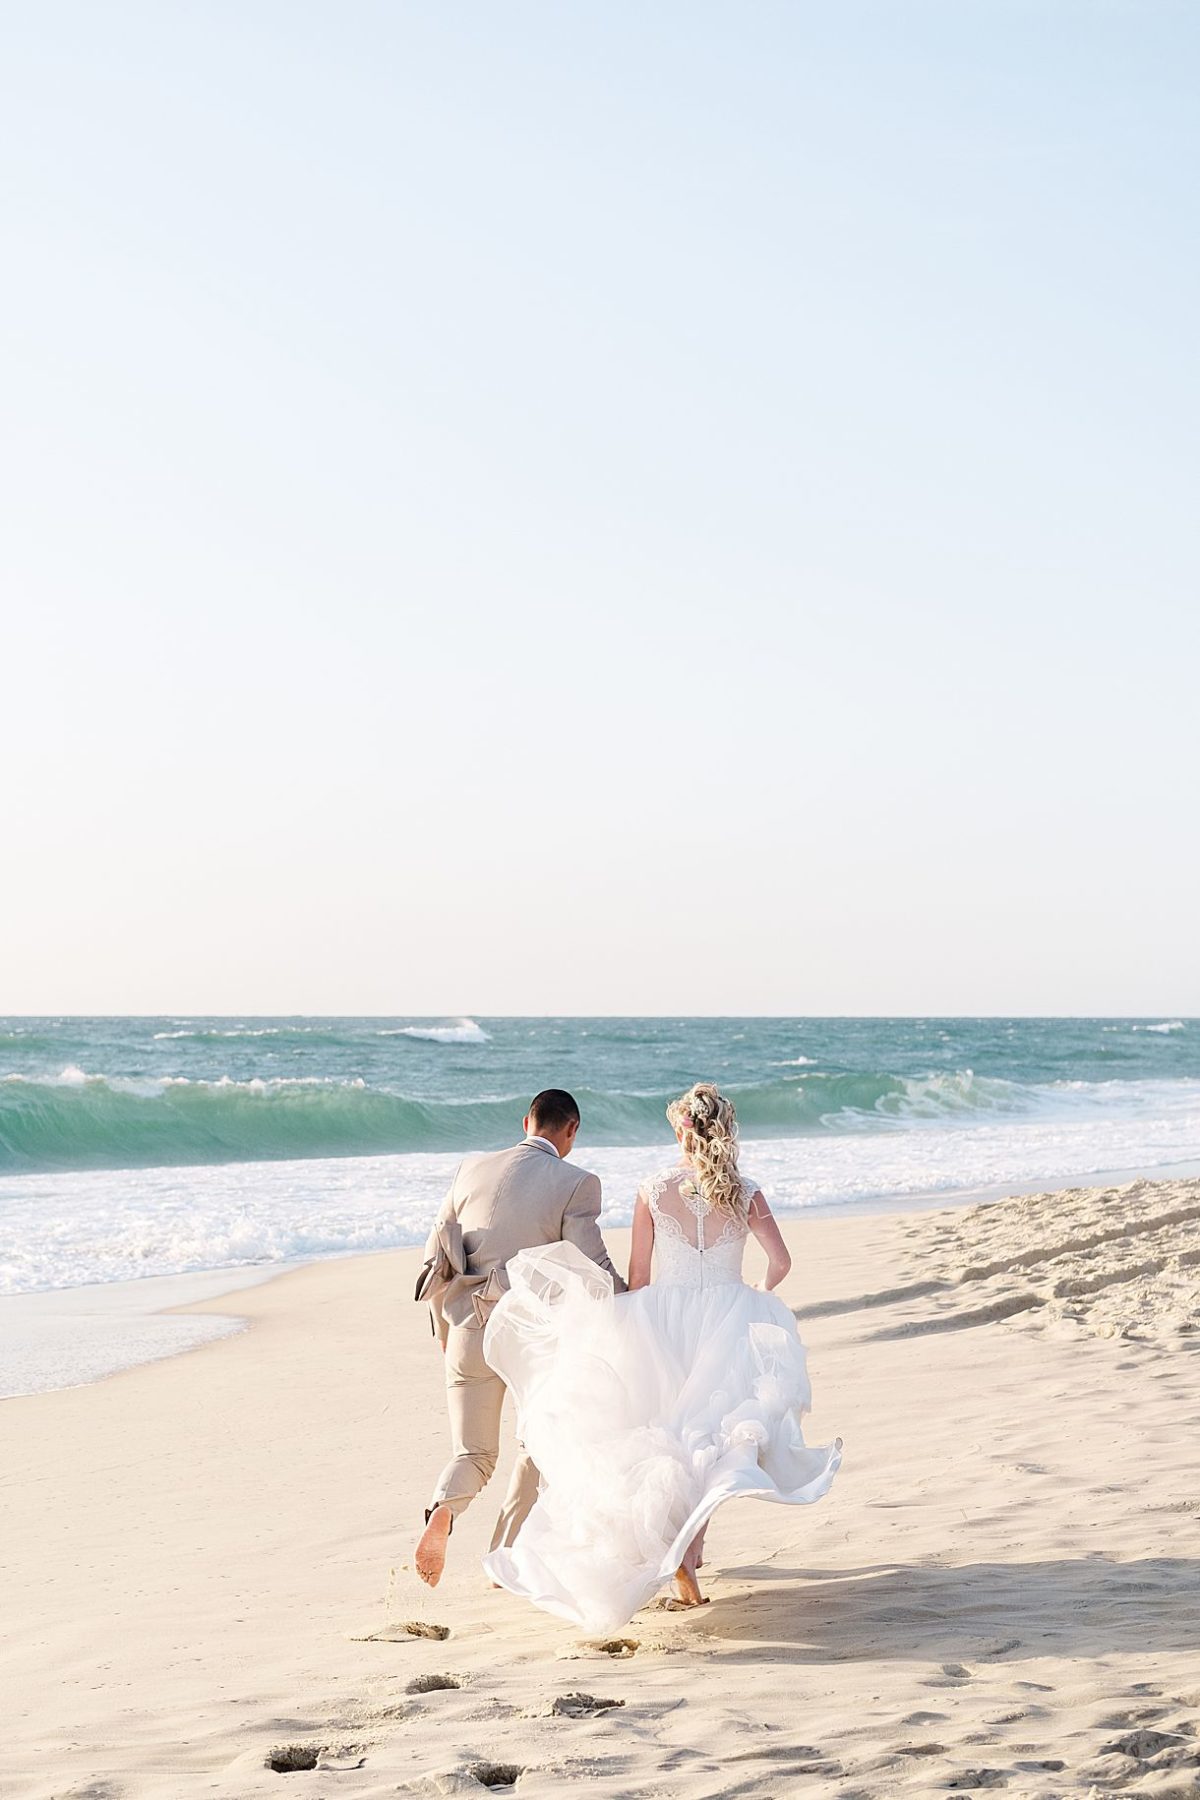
(208,1559)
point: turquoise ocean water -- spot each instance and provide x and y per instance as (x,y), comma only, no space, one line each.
(152,1146)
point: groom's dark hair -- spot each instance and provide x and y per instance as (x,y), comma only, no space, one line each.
(553,1108)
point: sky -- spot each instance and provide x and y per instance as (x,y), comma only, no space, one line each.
(620,507)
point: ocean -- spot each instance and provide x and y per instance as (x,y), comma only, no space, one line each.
(133,1147)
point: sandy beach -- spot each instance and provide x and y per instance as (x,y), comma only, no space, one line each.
(207,1560)
(601,624)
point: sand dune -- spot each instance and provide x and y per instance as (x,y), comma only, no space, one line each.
(206,1561)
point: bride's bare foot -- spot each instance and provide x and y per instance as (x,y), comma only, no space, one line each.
(430,1557)
(686,1588)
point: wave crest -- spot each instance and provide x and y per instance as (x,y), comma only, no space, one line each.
(76,1120)
(308,1034)
(466,1031)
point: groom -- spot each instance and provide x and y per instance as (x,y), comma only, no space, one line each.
(500,1202)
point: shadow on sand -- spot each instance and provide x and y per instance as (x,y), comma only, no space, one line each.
(989,1611)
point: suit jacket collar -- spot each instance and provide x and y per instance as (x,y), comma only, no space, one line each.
(538,1143)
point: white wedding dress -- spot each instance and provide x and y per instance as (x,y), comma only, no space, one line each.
(644,1411)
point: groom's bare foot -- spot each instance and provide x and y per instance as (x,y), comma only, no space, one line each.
(431,1551)
(686,1589)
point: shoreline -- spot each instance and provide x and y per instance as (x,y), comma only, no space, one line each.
(53,1339)
(63,1338)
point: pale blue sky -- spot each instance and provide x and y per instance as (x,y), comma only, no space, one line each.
(609,507)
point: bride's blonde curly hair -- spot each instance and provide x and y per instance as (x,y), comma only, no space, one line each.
(710,1143)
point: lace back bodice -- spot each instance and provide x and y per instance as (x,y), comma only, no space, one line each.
(693,1245)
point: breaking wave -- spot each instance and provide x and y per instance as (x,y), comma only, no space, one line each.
(308,1034)
(77,1120)
(465,1032)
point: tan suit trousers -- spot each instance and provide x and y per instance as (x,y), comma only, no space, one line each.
(475,1396)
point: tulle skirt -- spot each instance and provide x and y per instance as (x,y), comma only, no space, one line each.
(643,1413)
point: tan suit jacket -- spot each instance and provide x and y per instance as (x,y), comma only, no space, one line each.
(503,1201)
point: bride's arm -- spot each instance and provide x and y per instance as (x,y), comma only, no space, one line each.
(643,1245)
(761,1221)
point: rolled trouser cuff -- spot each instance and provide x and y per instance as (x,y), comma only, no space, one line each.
(451,1507)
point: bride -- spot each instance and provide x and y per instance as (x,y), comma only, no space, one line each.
(644,1411)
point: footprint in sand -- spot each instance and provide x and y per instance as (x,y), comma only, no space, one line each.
(285,1759)
(953,1675)
(496,1775)
(432,1684)
(617,1647)
(978,1778)
(400,1632)
(1141,1745)
(782,1753)
(582,1706)
(1131,1716)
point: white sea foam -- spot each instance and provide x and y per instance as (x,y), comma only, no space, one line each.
(1168,1025)
(243,1031)
(152,1087)
(71,1077)
(466,1031)
(257,1084)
